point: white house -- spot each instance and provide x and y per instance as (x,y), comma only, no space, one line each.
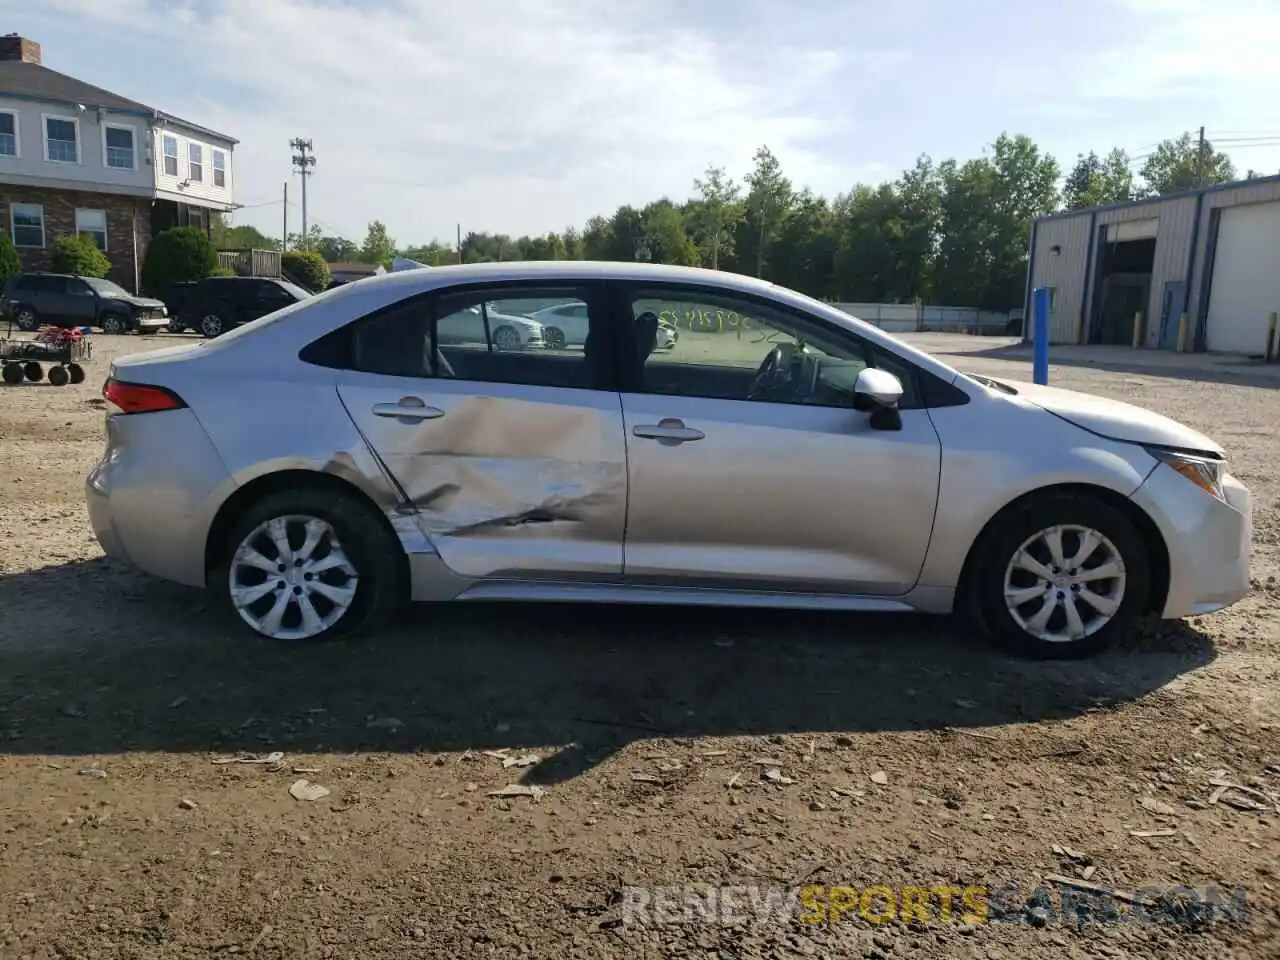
(75,158)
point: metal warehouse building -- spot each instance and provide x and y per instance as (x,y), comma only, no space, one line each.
(1213,253)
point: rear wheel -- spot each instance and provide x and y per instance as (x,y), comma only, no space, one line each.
(1061,577)
(33,371)
(76,371)
(212,325)
(28,320)
(11,373)
(309,565)
(554,338)
(58,376)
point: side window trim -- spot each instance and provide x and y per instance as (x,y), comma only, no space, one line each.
(628,291)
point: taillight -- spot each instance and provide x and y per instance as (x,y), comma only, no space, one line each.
(124,397)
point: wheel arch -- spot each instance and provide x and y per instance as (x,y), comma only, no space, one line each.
(282,481)
(1157,549)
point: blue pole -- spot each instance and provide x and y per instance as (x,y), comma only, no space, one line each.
(1040,358)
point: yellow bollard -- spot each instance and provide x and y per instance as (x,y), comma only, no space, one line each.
(1182,333)
(1271,336)
(1137,330)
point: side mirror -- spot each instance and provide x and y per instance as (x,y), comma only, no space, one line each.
(875,389)
(879,391)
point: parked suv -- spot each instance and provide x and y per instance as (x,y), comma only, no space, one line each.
(32,300)
(218,304)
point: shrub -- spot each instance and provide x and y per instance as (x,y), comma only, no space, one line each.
(78,254)
(9,261)
(222,272)
(175,256)
(307,268)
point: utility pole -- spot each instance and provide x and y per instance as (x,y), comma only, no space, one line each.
(284,225)
(303,160)
(1200,160)
(459,243)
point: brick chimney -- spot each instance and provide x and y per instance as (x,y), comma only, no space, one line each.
(14,47)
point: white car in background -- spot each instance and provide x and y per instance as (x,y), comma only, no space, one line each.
(483,325)
(565,325)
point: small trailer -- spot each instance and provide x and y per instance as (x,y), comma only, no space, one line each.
(62,351)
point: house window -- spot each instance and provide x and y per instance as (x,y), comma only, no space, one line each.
(118,146)
(94,223)
(170,148)
(219,168)
(28,224)
(195,162)
(62,139)
(8,134)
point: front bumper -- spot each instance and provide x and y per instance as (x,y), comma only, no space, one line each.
(1208,540)
(150,321)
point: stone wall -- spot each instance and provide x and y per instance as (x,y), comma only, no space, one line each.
(60,219)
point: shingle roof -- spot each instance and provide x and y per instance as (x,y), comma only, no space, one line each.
(21,79)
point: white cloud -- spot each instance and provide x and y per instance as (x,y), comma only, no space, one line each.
(513,115)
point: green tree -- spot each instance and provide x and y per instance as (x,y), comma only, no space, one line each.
(573,249)
(179,254)
(1095,181)
(715,213)
(1025,187)
(1184,164)
(337,249)
(665,235)
(308,268)
(242,237)
(768,202)
(597,239)
(919,193)
(10,262)
(378,247)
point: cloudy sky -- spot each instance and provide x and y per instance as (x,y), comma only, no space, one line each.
(529,115)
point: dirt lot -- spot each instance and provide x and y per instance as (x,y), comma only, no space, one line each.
(908,754)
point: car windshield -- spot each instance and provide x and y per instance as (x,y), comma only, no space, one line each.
(296,290)
(106,286)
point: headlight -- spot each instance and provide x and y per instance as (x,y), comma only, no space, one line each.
(1204,472)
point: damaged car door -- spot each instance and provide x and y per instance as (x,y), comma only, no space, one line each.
(514,462)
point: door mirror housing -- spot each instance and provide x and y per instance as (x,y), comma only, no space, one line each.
(876,389)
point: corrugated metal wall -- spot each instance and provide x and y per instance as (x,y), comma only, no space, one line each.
(1177,217)
(1064,270)
(1263,192)
(1073,278)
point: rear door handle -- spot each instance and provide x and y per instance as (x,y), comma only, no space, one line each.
(407,410)
(667,431)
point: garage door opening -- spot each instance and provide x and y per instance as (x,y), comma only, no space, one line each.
(1124,287)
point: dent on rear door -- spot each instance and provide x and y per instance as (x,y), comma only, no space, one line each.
(504,484)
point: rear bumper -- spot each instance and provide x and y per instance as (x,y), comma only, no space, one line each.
(1208,540)
(153,494)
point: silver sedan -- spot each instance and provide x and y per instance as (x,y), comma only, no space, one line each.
(321,466)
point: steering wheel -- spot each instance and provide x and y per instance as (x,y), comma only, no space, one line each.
(775,374)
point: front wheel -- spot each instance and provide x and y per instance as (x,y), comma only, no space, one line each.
(505,338)
(1061,577)
(114,324)
(212,325)
(309,565)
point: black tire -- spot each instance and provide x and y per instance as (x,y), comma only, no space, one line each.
(115,324)
(372,549)
(59,376)
(213,325)
(26,319)
(1005,537)
(12,373)
(76,371)
(554,338)
(33,371)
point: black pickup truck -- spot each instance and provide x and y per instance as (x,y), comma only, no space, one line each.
(33,300)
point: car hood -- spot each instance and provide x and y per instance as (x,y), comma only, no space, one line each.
(1113,419)
(148,302)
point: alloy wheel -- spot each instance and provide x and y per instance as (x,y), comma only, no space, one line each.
(504,338)
(28,321)
(211,325)
(290,578)
(1064,583)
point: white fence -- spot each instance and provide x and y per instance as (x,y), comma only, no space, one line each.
(905,317)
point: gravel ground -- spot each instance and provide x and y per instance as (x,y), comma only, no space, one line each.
(906,753)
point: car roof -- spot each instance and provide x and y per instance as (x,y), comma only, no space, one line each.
(516,270)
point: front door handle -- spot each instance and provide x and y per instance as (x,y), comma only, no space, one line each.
(407,410)
(668,431)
